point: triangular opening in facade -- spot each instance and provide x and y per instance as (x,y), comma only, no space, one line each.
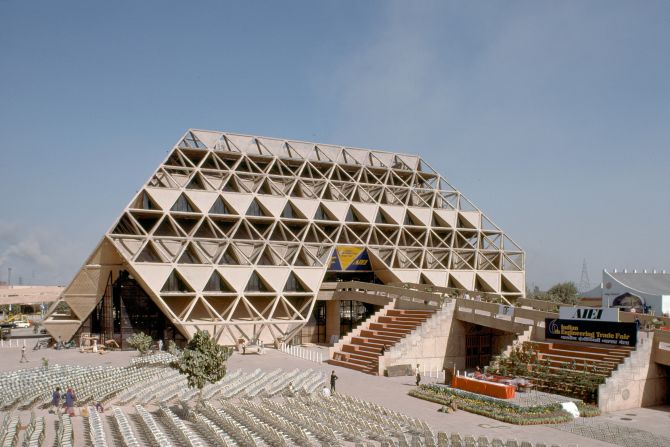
(219,207)
(146,221)
(216,283)
(196,183)
(293,284)
(190,256)
(149,254)
(323,214)
(255,209)
(192,142)
(256,284)
(175,283)
(291,212)
(126,226)
(145,202)
(166,228)
(183,205)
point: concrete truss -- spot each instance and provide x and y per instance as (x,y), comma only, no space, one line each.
(234,233)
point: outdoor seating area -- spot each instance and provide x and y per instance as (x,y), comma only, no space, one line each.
(246,408)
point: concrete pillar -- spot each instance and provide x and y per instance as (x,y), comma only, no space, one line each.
(332,319)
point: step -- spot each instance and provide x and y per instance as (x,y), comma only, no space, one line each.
(349,365)
(581,354)
(375,335)
(390,327)
(395,322)
(390,332)
(559,361)
(361,349)
(362,357)
(410,320)
(410,312)
(353,349)
(349,358)
(615,351)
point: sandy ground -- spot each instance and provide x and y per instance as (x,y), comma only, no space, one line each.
(389,392)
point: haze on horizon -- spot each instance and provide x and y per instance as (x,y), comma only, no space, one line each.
(551,117)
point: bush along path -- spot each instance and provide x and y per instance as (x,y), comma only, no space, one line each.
(499,409)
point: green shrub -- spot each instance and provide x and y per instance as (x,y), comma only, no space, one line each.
(140,341)
(493,408)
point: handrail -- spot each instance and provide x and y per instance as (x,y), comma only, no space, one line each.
(391,292)
(453,291)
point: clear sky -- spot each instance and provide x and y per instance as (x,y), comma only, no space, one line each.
(552,117)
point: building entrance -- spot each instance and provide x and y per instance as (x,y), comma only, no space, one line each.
(126,309)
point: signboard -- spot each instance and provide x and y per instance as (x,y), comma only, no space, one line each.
(588,331)
(348,258)
(505,310)
(588,313)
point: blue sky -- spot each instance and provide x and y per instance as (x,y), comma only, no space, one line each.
(552,117)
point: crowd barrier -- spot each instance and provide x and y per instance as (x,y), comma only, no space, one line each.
(305,354)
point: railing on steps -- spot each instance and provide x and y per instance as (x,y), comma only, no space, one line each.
(374,318)
(412,336)
(300,352)
(430,300)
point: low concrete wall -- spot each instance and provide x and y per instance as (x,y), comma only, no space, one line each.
(428,345)
(637,382)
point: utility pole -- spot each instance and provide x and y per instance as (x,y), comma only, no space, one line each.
(584,282)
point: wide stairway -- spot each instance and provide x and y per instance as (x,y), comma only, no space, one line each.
(561,355)
(363,351)
(567,369)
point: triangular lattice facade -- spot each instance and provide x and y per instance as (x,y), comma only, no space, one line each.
(234,234)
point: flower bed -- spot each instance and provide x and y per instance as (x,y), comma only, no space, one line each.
(498,409)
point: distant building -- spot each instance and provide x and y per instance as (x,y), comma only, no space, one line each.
(634,290)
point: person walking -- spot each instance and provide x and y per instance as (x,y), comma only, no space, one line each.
(55,400)
(70,399)
(23,355)
(381,353)
(333,378)
(418,377)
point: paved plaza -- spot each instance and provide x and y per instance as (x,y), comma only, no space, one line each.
(641,427)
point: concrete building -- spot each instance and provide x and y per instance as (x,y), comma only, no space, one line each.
(237,235)
(638,290)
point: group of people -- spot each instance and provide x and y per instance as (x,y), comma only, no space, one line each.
(69,398)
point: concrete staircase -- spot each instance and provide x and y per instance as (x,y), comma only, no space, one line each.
(637,382)
(361,349)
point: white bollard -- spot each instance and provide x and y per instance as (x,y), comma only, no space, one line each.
(24,342)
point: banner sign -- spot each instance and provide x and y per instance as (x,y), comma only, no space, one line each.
(589,331)
(347,258)
(588,313)
(505,310)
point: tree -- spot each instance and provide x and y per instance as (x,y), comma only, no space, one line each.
(141,342)
(563,293)
(202,361)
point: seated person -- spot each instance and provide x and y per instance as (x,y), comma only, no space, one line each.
(478,374)
(98,406)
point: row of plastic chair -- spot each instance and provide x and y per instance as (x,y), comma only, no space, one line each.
(96,429)
(266,432)
(11,433)
(64,433)
(152,429)
(122,423)
(34,436)
(179,429)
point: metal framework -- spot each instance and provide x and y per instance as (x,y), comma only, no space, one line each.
(234,234)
